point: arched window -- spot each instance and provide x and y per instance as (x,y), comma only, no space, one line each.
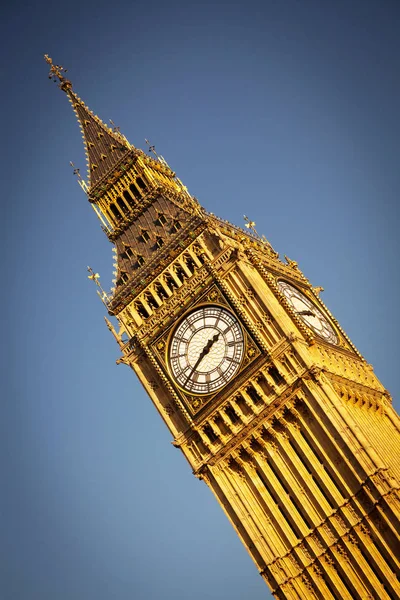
(135,192)
(161,219)
(161,293)
(176,225)
(200,254)
(231,414)
(127,197)
(170,281)
(121,205)
(276,376)
(142,311)
(180,273)
(189,262)
(115,212)
(144,235)
(141,183)
(210,433)
(129,252)
(254,395)
(151,300)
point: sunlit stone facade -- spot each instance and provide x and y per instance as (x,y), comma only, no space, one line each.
(263,392)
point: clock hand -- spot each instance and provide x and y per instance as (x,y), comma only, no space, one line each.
(306,313)
(203,353)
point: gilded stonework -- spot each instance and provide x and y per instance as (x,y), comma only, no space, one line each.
(299,441)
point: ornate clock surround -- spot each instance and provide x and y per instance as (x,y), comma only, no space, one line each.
(195,403)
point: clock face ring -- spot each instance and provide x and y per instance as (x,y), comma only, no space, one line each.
(308,312)
(206,349)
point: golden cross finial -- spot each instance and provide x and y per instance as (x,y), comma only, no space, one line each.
(160,158)
(95,277)
(252,226)
(81,181)
(77,171)
(57,72)
(115,128)
(152,148)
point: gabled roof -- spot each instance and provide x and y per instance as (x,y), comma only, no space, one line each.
(104,147)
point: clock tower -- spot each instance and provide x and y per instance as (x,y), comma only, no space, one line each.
(263,392)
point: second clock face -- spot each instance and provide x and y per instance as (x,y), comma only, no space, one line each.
(206,350)
(310,314)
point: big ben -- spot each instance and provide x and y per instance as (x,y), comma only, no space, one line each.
(261,389)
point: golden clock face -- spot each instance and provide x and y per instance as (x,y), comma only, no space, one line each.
(206,350)
(308,312)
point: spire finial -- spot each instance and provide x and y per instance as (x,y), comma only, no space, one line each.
(252,226)
(152,148)
(95,277)
(57,72)
(104,147)
(77,172)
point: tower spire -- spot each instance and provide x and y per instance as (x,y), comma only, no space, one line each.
(105,148)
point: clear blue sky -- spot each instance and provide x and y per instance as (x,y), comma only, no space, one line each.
(285,111)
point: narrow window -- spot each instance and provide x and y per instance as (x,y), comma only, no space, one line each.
(129,252)
(141,183)
(176,226)
(276,376)
(254,395)
(221,425)
(144,235)
(161,220)
(160,291)
(121,205)
(200,254)
(142,311)
(263,383)
(231,414)
(159,242)
(170,281)
(140,260)
(210,433)
(151,301)
(180,273)
(240,401)
(115,212)
(127,196)
(124,277)
(135,192)
(189,262)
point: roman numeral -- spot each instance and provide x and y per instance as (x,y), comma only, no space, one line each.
(230,359)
